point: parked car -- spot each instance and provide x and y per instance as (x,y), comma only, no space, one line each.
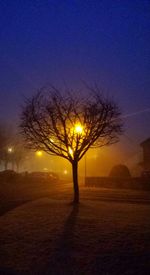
(44,175)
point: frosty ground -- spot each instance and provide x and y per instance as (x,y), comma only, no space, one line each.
(41,232)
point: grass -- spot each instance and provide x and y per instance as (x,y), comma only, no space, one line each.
(42,233)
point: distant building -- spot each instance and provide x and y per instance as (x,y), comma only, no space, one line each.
(146,154)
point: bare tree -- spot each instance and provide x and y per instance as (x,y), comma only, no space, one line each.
(19,153)
(66,125)
(12,151)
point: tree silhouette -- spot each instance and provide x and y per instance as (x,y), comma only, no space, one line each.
(12,149)
(67,125)
(19,153)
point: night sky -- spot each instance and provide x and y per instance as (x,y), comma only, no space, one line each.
(67,42)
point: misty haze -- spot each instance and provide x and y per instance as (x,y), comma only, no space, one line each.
(74,137)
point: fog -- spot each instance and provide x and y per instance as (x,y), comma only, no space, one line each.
(96,162)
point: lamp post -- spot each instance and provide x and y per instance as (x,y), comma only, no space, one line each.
(10,151)
(78,131)
(85,169)
(38,163)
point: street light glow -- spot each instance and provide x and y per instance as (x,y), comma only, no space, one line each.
(78,129)
(39,153)
(10,150)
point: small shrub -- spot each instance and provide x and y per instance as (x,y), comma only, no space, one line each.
(120,171)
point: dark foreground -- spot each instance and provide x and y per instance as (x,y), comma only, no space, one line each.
(42,233)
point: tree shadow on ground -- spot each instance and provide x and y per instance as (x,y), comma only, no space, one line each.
(63,262)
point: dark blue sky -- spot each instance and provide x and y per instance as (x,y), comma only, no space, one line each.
(66,42)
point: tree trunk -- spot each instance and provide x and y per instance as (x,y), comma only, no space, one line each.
(75,181)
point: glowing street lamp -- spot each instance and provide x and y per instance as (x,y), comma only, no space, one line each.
(65,172)
(10,150)
(39,153)
(78,128)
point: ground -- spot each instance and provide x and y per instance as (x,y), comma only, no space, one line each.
(41,232)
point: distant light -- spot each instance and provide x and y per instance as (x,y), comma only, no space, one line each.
(65,172)
(39,153)
(10,150)
(51,140)
(45,169)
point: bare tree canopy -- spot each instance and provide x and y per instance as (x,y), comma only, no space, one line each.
(67,125)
